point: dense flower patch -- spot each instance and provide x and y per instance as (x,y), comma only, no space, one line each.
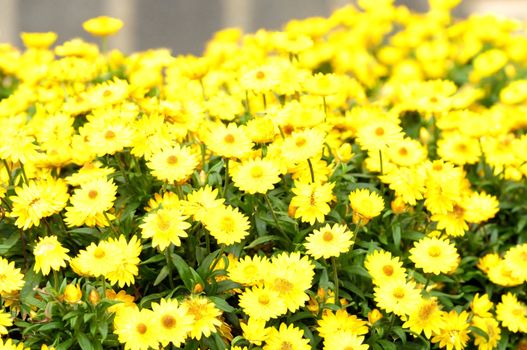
(350,182)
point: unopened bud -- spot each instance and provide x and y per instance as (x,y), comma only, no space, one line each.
(198,288)
(374,316)
(72,293)
(94,297)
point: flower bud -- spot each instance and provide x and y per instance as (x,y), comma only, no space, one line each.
(198,288)
(72,293)
(344,153)
(374,316)
(94,297)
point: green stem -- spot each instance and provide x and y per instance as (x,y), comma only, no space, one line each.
(380,162)
(226,178)
(311,170)
(325,108)
(121,169)
(268,201)
(114,229)
(203,90)
(8,171)
(179,191)
(169,266)
(218,258)
(24,176)
(335,280)
(56,280)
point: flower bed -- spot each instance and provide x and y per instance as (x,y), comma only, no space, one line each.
(350,182)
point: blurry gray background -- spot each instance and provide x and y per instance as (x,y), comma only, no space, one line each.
(185,25)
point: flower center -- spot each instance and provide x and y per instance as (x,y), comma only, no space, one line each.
(379,131)
(263,299)
(300,142)
(517,312)
(229,138)
(398,293)
(107,93)
(256,172)
(93,194)
(168,321)
(141,328)
(99,253)
(434,251)
(387,270)
(108,135)
(250,270)
(281,285)
(462,148)
(403,151)
(286,346)
(426,311)
(163,225)
(172,160)
(327,236)
(227,224)
(260,75)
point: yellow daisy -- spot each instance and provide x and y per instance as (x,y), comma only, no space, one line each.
(435,255)
(227,224)
(365,204)
(175,164)
(329,241)
(49,255)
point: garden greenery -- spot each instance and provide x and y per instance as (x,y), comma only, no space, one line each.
(351,182)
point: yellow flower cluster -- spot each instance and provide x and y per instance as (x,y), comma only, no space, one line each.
(273,192)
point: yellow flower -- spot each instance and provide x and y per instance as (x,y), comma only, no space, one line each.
(290,276)
(311,201)
(335,324)
(491,327)
(102,26)
(512,313)
(249,270)
(175,164)
(173,321)
(49,255)
(481,305)
(200,201)
(256,175)
(11,280)
(205,316)
(262,302)
(165,227)
(427,317)
(286,337)
(365,204)
(95,260)
(38,40)
(329,241)
(454,333)
(5,321)
(254,331)
(302,145)
(127,253)
(384,268)
(136,328)
(227,224)
(397,296)
(515,259)
(435,255)
(72,293)
(345,341)
(90,202)
(229,141)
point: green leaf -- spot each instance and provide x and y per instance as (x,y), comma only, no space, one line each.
(103,330)
(261,240)
(387,345)
(400,333)
(50,326)
(222,304)
(183,270)
(479,332)
(162,275)
(84,341)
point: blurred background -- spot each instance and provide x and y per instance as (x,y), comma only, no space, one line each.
(185,25)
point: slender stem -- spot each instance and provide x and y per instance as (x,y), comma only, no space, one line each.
(6,203)
(179,191)
(169,266)
(325,107)
(311,170)
(268,201)
(103,283)
(380,162)
(247,104)
(23,173)
(24,253)
(56,280)
(264,100)
(226,178)
(335,280)
(218,258)
(121,169)
(8,171)
(114,229)
(203,89)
